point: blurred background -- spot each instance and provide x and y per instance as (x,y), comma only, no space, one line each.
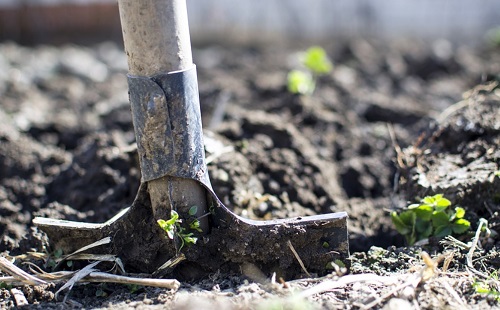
(251,21)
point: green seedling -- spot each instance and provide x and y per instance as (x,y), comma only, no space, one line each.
(300,82)
(100,293)
(316,60)
(102,290)
(134,288)
(488,287)
(316,63)
(5,286)
(432,217)
(195,224)
(173,228)
(52,259)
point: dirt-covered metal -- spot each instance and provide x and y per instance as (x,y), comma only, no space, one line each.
(231,242)
(167,123)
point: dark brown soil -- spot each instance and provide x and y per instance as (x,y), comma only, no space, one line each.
(67,152)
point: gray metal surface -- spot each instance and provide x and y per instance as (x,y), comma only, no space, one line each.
(167,123)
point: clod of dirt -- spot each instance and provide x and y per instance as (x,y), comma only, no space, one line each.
(459,156)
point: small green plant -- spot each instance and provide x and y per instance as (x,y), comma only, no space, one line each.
(54,258)
(174,228)
(433,216)
(134,288)
(300,82)
(6,286)
(102,290)
(316,60)
(317,63)
(488,287)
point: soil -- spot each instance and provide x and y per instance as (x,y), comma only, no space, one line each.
(392,123)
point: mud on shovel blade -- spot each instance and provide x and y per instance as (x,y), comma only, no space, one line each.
(167,123)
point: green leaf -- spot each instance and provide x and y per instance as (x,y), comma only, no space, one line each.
(408,217)
(174,217)
(58,253)
(459,212)
(340,263)
(443,202)
(299,82)
(316,60)
(430,199)
(460,226)
(400,225)
(414,206)
(411,239)
(424,229)
(443,231)
(162,223)
(195,225)
(5,286)
(193,210)
(440,218)
(167,227)
(189,240)
(100,293)
(424,212)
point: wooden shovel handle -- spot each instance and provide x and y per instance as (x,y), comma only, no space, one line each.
(156,39)
(155,35)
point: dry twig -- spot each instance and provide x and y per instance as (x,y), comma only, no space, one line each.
(19,274)
(289,243)
(77,276)
(475,240)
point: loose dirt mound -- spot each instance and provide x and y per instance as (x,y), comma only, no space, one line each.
(67,151)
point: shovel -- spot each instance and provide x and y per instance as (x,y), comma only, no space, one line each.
(167,122)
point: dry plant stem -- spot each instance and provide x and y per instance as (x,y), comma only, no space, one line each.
(475,240)
(106,277)
(98,277)
(90,246)
(345,280)
(156,39)
(289,243)
(76,277)
(19,274)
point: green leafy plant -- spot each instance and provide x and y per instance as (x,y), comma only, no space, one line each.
(53,258)
(433,216)
(134,288)
(300,82)
(317,63)
(102,290)
(174,228)
(488,287)
(316,60)
(6,286)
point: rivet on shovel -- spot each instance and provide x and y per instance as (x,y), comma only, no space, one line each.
(167,122)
